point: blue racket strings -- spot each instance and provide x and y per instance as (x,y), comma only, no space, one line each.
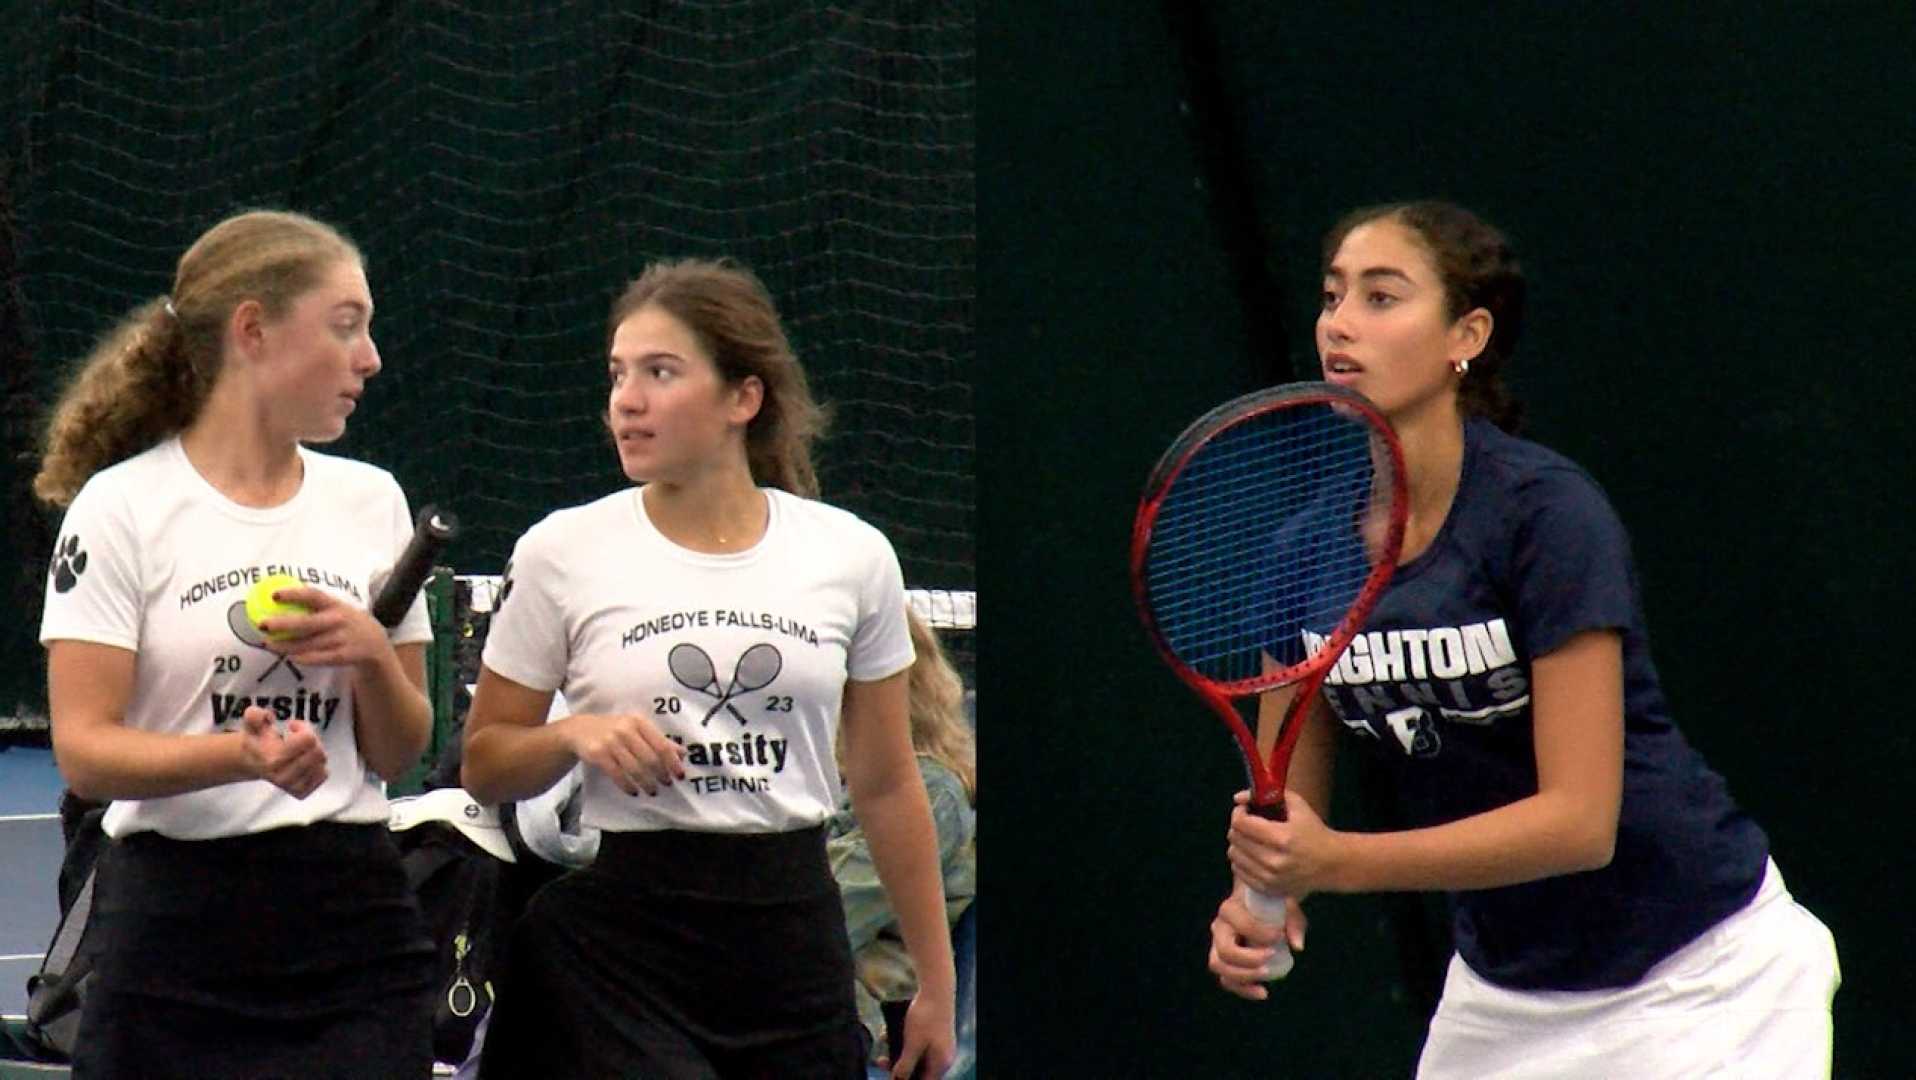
(1258,546)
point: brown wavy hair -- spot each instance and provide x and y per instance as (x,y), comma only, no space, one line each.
(149,375)
(731,313)
(1479,269)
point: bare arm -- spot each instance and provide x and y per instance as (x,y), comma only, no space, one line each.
(392,716)
(513,753)
(1313,757)
(1315,751)
(1569,825)
(888,797)
(89,686)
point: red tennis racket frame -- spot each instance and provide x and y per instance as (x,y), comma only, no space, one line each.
(1267,776)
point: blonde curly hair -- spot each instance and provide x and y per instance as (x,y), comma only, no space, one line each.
(938,725)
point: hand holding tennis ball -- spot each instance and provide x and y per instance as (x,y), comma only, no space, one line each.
(261,606)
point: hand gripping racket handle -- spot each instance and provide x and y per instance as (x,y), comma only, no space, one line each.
(433,530)
(1268,908)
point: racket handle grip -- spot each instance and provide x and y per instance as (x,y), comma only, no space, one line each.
(1269,909)
(431,532)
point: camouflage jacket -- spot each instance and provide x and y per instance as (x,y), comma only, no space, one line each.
(883,968)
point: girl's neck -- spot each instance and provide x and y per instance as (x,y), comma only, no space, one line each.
(1433,442)
(229,445)
(717,514)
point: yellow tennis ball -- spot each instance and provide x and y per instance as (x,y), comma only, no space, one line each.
(260,604)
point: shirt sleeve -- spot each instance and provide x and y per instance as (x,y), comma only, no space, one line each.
(416,626)
(1573,569)
(526,640)
(881,644)
(94,580)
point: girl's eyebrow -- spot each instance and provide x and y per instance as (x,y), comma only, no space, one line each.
(1373,274)
(655,354)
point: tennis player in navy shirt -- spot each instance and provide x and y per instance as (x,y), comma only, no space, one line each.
(1614,912)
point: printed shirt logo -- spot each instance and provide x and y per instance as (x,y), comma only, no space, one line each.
(710,685)
(228,708)
(243,629)
(756,669)
(69,562)
(1410,683)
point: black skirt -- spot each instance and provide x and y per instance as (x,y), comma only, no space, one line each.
(677,955)
(296,952)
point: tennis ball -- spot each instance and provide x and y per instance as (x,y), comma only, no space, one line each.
(260,604)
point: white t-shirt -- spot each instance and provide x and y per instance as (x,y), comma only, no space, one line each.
(741,658)
(154,559)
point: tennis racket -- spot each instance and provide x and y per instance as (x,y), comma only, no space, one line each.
(432,531)
(693,669)
(1265,536)
(755,670)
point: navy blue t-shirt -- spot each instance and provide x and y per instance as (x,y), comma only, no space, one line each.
(1438,685)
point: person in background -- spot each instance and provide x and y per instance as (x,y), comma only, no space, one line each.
(948,763)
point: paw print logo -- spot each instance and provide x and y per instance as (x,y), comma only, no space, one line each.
(69,562)
(505,588)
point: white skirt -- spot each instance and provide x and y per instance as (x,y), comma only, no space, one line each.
(1748,999)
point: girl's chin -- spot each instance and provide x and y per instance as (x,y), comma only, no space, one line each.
(323,435)
(634,469)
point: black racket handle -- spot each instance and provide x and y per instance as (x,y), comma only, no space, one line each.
(1270,811)
(431,532)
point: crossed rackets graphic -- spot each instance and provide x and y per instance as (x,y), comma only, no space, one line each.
(244,629)
(755,670)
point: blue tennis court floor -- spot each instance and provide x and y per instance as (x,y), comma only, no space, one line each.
(30,848)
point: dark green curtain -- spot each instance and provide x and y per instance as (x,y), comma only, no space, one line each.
(1713,206)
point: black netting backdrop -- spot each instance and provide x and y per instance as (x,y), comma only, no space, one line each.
(506,172)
